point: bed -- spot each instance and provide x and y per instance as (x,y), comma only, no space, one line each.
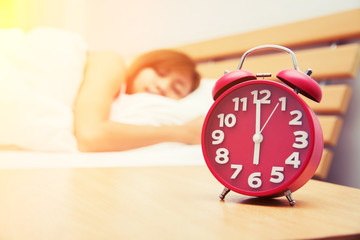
(40,73)
(40,119)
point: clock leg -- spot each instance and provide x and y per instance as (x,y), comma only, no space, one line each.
(289,197)
(223,193)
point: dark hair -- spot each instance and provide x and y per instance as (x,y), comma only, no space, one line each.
(164,60)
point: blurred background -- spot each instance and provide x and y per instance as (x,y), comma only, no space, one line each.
(132,27)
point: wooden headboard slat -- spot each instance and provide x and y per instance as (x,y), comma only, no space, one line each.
(323,168)
(335,100)
(327,63)
(331,126)
(326,29)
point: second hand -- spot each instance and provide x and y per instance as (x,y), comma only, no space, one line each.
(269,117)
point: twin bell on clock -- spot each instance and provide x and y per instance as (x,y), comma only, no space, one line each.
(259,137)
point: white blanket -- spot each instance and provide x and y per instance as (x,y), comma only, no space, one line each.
(40,73)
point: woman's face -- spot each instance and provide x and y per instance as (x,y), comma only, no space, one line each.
(168,84)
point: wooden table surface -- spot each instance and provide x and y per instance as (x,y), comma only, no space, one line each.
(164,203)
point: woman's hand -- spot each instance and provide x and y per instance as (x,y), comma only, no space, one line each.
(192,131)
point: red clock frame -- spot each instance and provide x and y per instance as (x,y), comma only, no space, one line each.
(239,140)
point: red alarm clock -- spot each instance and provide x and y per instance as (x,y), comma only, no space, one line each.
(259,137)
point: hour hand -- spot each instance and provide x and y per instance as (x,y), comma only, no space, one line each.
(257,138)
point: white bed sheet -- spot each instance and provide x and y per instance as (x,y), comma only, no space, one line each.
(165,154)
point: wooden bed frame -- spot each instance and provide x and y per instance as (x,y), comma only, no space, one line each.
(329,45)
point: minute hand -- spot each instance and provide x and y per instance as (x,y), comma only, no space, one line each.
(257,117)
(257,138)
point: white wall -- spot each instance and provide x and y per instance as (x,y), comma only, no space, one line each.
(345,167)
(134,26)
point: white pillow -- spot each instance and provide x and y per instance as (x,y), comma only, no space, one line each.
(150,109)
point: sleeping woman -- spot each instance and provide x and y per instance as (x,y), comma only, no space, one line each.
(163,72)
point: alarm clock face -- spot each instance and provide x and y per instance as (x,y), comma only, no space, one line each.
(258,137)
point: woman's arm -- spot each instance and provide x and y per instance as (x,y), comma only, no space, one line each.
(104,74)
